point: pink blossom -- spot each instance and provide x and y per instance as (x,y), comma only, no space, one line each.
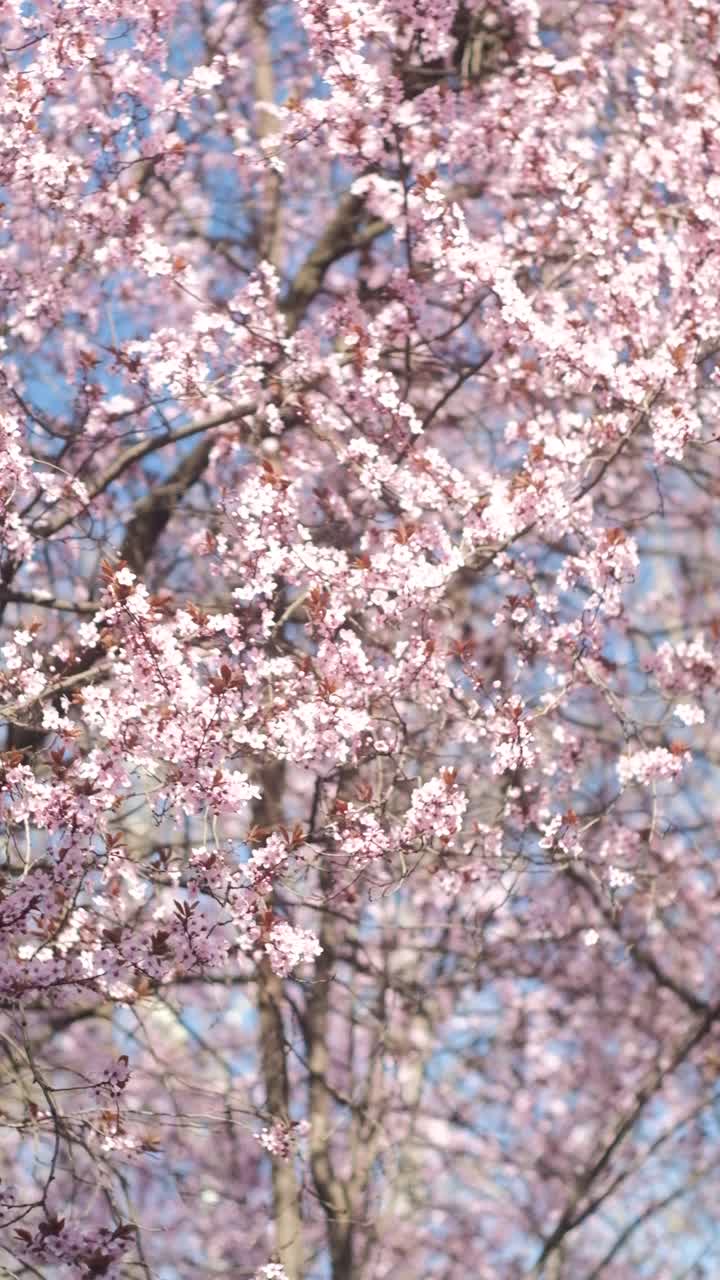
(647,766)
(287,947)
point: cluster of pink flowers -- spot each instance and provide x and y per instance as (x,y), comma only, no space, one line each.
(653,765)
(282,1138)
(374,345)
(287,946)
(360,836)
(687,667)
(217,874)
(267,862)
(436,809)
(56,1241)
(511,741)
(271,1271)
(114,1080)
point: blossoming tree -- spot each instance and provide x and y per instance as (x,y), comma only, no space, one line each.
(359,893)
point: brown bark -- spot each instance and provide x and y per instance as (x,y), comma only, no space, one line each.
(286,1191)
(333,1193)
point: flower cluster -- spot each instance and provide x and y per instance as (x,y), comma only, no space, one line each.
(376,344)
(56,1241)
(114,1079)
(287,947)
(653,765)
(436,810)
(282,1138)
